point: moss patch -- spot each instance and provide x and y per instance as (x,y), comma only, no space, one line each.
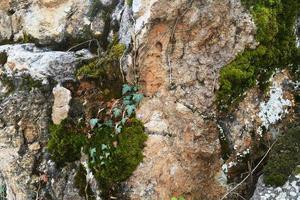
(113,158)
(275,21)
(65,142)
(3,58)
(284,158)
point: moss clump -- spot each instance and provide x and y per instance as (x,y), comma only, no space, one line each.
(82,185)
(275,20)
(284,158)
(113,157)
(105,71)
(65,142)
(103,66)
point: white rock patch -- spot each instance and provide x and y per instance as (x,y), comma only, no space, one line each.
(275,108)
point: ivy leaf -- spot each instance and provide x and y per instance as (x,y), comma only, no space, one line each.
(92,154)
(107,154)
(109,123)
(126,88)
(123,121)
(117,112)
(103,146)
(93,122)
(127,102)
(137,98)
(135,88)
(181,198)
(118,128)
(130,109)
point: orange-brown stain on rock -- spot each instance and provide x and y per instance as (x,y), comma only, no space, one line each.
(152,71)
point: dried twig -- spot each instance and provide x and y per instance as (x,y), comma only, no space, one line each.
(240,183)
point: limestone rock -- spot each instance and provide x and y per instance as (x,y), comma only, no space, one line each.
(49,21)
(290,190)
(25,116)
(42,63)
(181,50)
(60,109)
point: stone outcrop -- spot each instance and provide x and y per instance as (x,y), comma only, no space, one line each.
(175,51)
(181,50)
(51,21)
(25,110)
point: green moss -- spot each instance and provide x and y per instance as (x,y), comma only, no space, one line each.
(275,21)
(129,2)
(105,65)
(297,170)
(29,83)
(6,81)
(65,142)
(284,158)
(116,156)
(106,71)
(3,58)
(82,185)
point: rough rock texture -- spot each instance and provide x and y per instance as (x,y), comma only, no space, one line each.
(25,114)
(255,114)
(41,63)
(181,50)
(60,109)
(49,21)
(290,190)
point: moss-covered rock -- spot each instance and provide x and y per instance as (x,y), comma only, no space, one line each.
(66,141)
(81,184)
(275,21)
(113,158)
(284,158)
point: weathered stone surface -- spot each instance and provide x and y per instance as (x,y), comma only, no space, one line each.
(181,50)
(60,109)
(25,113)
(49,21)
(42,63)
(290,190)
(255,113)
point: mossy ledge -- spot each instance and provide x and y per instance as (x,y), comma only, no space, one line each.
(275,21)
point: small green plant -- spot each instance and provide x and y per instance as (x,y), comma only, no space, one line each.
(66,141)
(284,158)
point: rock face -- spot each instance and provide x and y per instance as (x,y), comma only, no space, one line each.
(182,49)
(175,50)
(25,110)
(49,21)
(254,114)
